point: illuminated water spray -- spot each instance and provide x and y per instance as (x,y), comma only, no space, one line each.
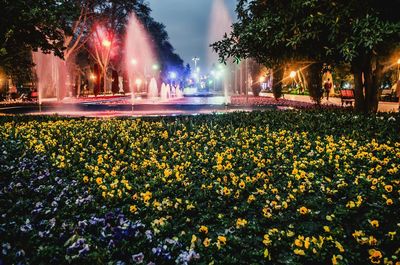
(139,57)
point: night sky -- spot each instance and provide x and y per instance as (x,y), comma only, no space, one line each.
(187,23)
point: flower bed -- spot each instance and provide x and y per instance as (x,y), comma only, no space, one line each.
(269,101)
(294,187)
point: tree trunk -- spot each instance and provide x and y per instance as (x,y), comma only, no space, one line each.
(105,81)
(315,82)
(277,81)
(373,98)
(78,90)
(367,82)
(358,88)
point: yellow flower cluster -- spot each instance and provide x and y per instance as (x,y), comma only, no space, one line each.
(299,185)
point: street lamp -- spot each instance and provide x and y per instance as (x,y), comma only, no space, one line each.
(106,43)
(172,75)
(398,69)
(195,60)
(134,61)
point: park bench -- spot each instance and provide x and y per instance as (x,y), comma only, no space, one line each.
(347,96)
(386,94)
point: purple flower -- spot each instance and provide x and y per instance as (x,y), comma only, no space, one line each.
(138,258)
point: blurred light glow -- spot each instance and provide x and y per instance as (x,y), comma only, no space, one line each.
(106,43)
(134,62)
(293,74)
(138,82)
(172,75)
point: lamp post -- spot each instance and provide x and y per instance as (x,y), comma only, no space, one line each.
(195,60)
(398,69)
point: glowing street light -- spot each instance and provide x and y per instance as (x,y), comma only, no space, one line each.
(92,76)
(172,75)
(293,74)
(138,82)
(262,79)
(106,43)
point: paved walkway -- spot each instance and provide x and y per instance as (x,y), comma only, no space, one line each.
(383,106)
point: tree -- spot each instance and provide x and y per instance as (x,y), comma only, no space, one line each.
(364,38)
(113,17)
(27,25)
(276,32)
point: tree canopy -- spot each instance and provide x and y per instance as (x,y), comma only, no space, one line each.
(63,28)
(357,32)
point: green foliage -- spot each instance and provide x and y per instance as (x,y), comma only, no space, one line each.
(27,25)
(278,32)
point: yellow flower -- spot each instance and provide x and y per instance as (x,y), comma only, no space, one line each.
(206,242)
(194,239)
(203,229)
(299,252)
(242,184)
(226,191)
(266,240)
(251,198)
(374,223)
(351,204)
(86,179)
(335,259)
(307,243)
(389,202)
(146,196)
(241,223)
(327,229)
(290,233)
(164,135)
(99,181)
(304,210)
(133,209)
(298,243)
(266,253)
(389,188)
(221,241)
(375,256)
(392,235)
(339,246)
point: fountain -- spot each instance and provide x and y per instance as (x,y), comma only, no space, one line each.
(220,24)
(153,89)
(51,72)
(164,92)
(169,90)
(179,93)
(139,55)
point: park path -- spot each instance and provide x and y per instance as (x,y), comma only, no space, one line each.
(383,106)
